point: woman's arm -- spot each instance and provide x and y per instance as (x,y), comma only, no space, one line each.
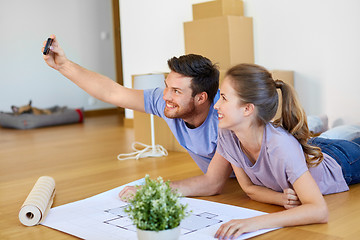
(287,199)
(312,210)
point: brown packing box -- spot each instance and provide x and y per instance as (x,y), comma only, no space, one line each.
(222,76)
(218,8)
(285,76)
(163,134)
(226,40)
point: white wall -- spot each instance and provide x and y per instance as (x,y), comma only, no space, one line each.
(151,33)
(318,40)
(78,24)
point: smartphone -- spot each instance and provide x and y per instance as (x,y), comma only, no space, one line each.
(47,46)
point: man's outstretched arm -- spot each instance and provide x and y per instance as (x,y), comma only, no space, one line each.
(95,84)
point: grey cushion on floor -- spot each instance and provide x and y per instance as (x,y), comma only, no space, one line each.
(347,132)
(59,116)
(317,124)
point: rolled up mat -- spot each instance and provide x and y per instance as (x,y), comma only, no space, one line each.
(38,202)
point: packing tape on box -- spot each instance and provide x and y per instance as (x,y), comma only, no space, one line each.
(38,202)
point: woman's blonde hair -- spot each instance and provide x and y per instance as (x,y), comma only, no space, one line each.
(254,84)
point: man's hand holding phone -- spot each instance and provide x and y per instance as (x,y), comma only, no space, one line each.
(53,54)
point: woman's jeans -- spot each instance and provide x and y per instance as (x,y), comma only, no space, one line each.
(346,153)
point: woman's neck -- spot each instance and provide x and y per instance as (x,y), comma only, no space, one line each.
(250,138)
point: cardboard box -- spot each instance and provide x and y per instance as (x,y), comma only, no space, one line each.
(218,8)
(222,76)
(226,40)
(285,76)
(149,80)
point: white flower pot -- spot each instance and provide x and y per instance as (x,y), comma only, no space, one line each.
(169,234)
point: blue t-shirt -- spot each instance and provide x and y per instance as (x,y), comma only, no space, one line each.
(281,162)
(200,142)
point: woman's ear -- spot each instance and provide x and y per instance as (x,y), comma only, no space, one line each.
(249,109)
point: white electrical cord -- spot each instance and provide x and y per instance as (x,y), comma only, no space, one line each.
(146,151)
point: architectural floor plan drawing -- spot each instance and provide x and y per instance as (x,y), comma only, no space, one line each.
(102,217)
(191,224)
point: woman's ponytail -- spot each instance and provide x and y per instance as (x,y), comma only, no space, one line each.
(293,119)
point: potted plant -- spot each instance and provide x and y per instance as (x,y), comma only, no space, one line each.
(156,210)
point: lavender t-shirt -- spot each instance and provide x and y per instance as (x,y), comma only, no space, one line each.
(200,142)
(281,162)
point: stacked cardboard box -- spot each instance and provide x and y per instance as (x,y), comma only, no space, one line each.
(221,33)
(285,76)
(217,9)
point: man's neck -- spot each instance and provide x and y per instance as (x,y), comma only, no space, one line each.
(198,117)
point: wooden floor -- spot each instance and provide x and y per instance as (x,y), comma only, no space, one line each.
(82,160)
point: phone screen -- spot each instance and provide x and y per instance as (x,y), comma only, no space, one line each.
(47,46)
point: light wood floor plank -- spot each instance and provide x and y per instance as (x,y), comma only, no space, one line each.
(82,160)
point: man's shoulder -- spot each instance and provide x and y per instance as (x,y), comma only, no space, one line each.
(153,101)
(154,93)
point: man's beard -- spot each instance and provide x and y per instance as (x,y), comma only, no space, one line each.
(183,113)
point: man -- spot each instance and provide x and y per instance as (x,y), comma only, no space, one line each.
(186,103)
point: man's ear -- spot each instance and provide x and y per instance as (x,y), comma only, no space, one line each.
(201,98)
(249,109)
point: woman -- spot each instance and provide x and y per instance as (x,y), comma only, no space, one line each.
(273,158)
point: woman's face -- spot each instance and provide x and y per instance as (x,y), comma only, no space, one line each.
(230,111)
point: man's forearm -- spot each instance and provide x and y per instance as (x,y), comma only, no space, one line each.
(97,85)
(197,186)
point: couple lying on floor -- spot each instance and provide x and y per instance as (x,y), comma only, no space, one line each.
(274,162)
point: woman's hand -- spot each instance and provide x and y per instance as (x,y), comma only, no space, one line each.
(236,227)
(290,199)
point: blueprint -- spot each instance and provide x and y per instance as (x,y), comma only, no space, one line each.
(102,217)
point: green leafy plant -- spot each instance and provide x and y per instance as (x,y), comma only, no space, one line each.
(156,206)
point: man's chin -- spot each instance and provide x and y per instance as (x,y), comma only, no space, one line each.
(170,115)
